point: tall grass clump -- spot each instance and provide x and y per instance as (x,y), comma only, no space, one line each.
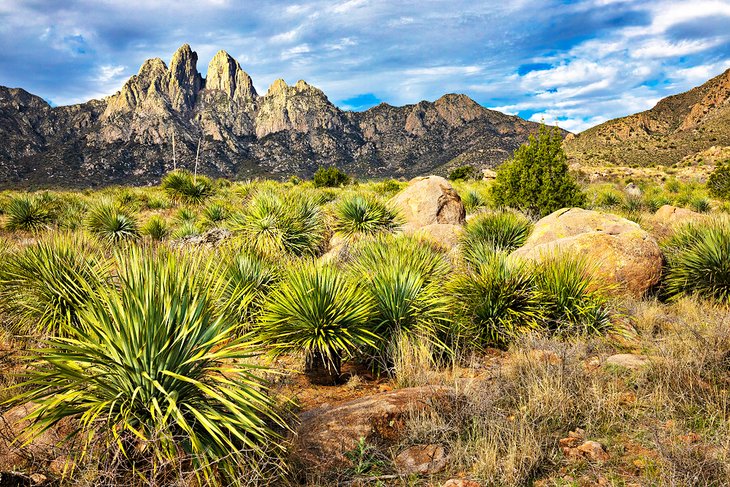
(183,186)
(404,278)
(214,214)
(44,287)
(155,376)
(275,225)
(494,232)
(27,213)
(358,215)
(495,300)
(698,261)
(318,312)
(111,224)
(573,302)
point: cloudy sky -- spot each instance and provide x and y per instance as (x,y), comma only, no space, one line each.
(575,62)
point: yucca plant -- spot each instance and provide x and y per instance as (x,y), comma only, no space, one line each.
(28,213)
(215,214)
(358,215)
(404,280)
(473,200)
(186,229)
(698,261)
(45,286)
(275,225)
(152,372)
(495,298)
(156,228)
(701,205)
(110,223)
(573,301)
(183,186)
(492,232)
(318,312)
(247,279)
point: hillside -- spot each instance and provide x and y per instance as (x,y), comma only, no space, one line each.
(127,138)
(678,127)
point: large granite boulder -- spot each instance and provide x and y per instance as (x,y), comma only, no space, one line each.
(623,254)
(427,201)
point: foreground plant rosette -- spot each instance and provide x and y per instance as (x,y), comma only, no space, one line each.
(155,378)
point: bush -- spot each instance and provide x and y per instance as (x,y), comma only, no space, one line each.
(698,261)
(330,177)
(111,224)
(215,214)
(156,376)
(357,215)
(537,180)
(492,232)
(318,312)
(463,173)
(719,181)
(45,286)
(274,225)
(27,213)
(183,186)
(495,300)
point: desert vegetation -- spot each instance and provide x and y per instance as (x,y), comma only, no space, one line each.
(183,334)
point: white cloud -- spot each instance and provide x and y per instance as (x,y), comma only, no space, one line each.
(662,48)
(295,51)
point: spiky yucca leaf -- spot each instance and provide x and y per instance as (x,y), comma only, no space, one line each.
(495,231)
(183,186)
(496,299)
(156,228)
(401,252)
(45,286)
(153,372)
(318,312)
(29,213)
(247,279)
(574,303)
(357,215)
(215,214)
(110,223)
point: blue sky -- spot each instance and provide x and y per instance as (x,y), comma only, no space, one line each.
(575,62)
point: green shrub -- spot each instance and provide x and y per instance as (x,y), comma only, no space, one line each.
(490,232)
(388,186)
(155,376)
(248,279)
(463,173)
(495,299)
(185,214)
(156,228)
(318,312)
(701,205)
(330,177)
(215,214)
(274,225)
(28,213)
(537,179)
(183,186)
(698,261)
(719,181)
(573,303)
(473,200)
(45,286)
(110,223)
(609,198)
(358,215)
(186,229)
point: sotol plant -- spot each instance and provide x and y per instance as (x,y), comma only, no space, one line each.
(183,186)
(27,213)
(358,215)
(152,372)
(493,232)
(111,224)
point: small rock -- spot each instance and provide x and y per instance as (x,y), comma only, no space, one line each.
(593,451)
(461,483)
(633,190)
(627,361)
(421,459)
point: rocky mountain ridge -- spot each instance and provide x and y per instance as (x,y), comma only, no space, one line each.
(676,129)
(128,137)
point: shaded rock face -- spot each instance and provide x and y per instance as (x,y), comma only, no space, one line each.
(326,433)
(624,255)
(428,201)
(127,137)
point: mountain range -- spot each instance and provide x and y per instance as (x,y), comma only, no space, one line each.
(681,128)
(168,116)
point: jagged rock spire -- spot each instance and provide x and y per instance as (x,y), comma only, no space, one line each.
(184,81)
(225,74)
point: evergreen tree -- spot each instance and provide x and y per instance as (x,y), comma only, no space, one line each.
(536,180)
(719,181)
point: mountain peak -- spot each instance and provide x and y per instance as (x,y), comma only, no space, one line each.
(226,75)
(184,79)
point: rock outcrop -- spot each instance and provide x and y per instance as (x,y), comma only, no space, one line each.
(128,136)
(624,255)
(428,201)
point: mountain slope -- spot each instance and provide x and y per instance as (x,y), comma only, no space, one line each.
(128,137)
(677,127)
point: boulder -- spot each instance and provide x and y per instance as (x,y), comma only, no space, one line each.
(421,460)
(623,253)
(327,433)
(429,200)
(444,235)
(489,175)
(211,239)
(668,217)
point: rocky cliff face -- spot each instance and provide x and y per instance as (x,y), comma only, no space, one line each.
(676,129)
(127,137)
